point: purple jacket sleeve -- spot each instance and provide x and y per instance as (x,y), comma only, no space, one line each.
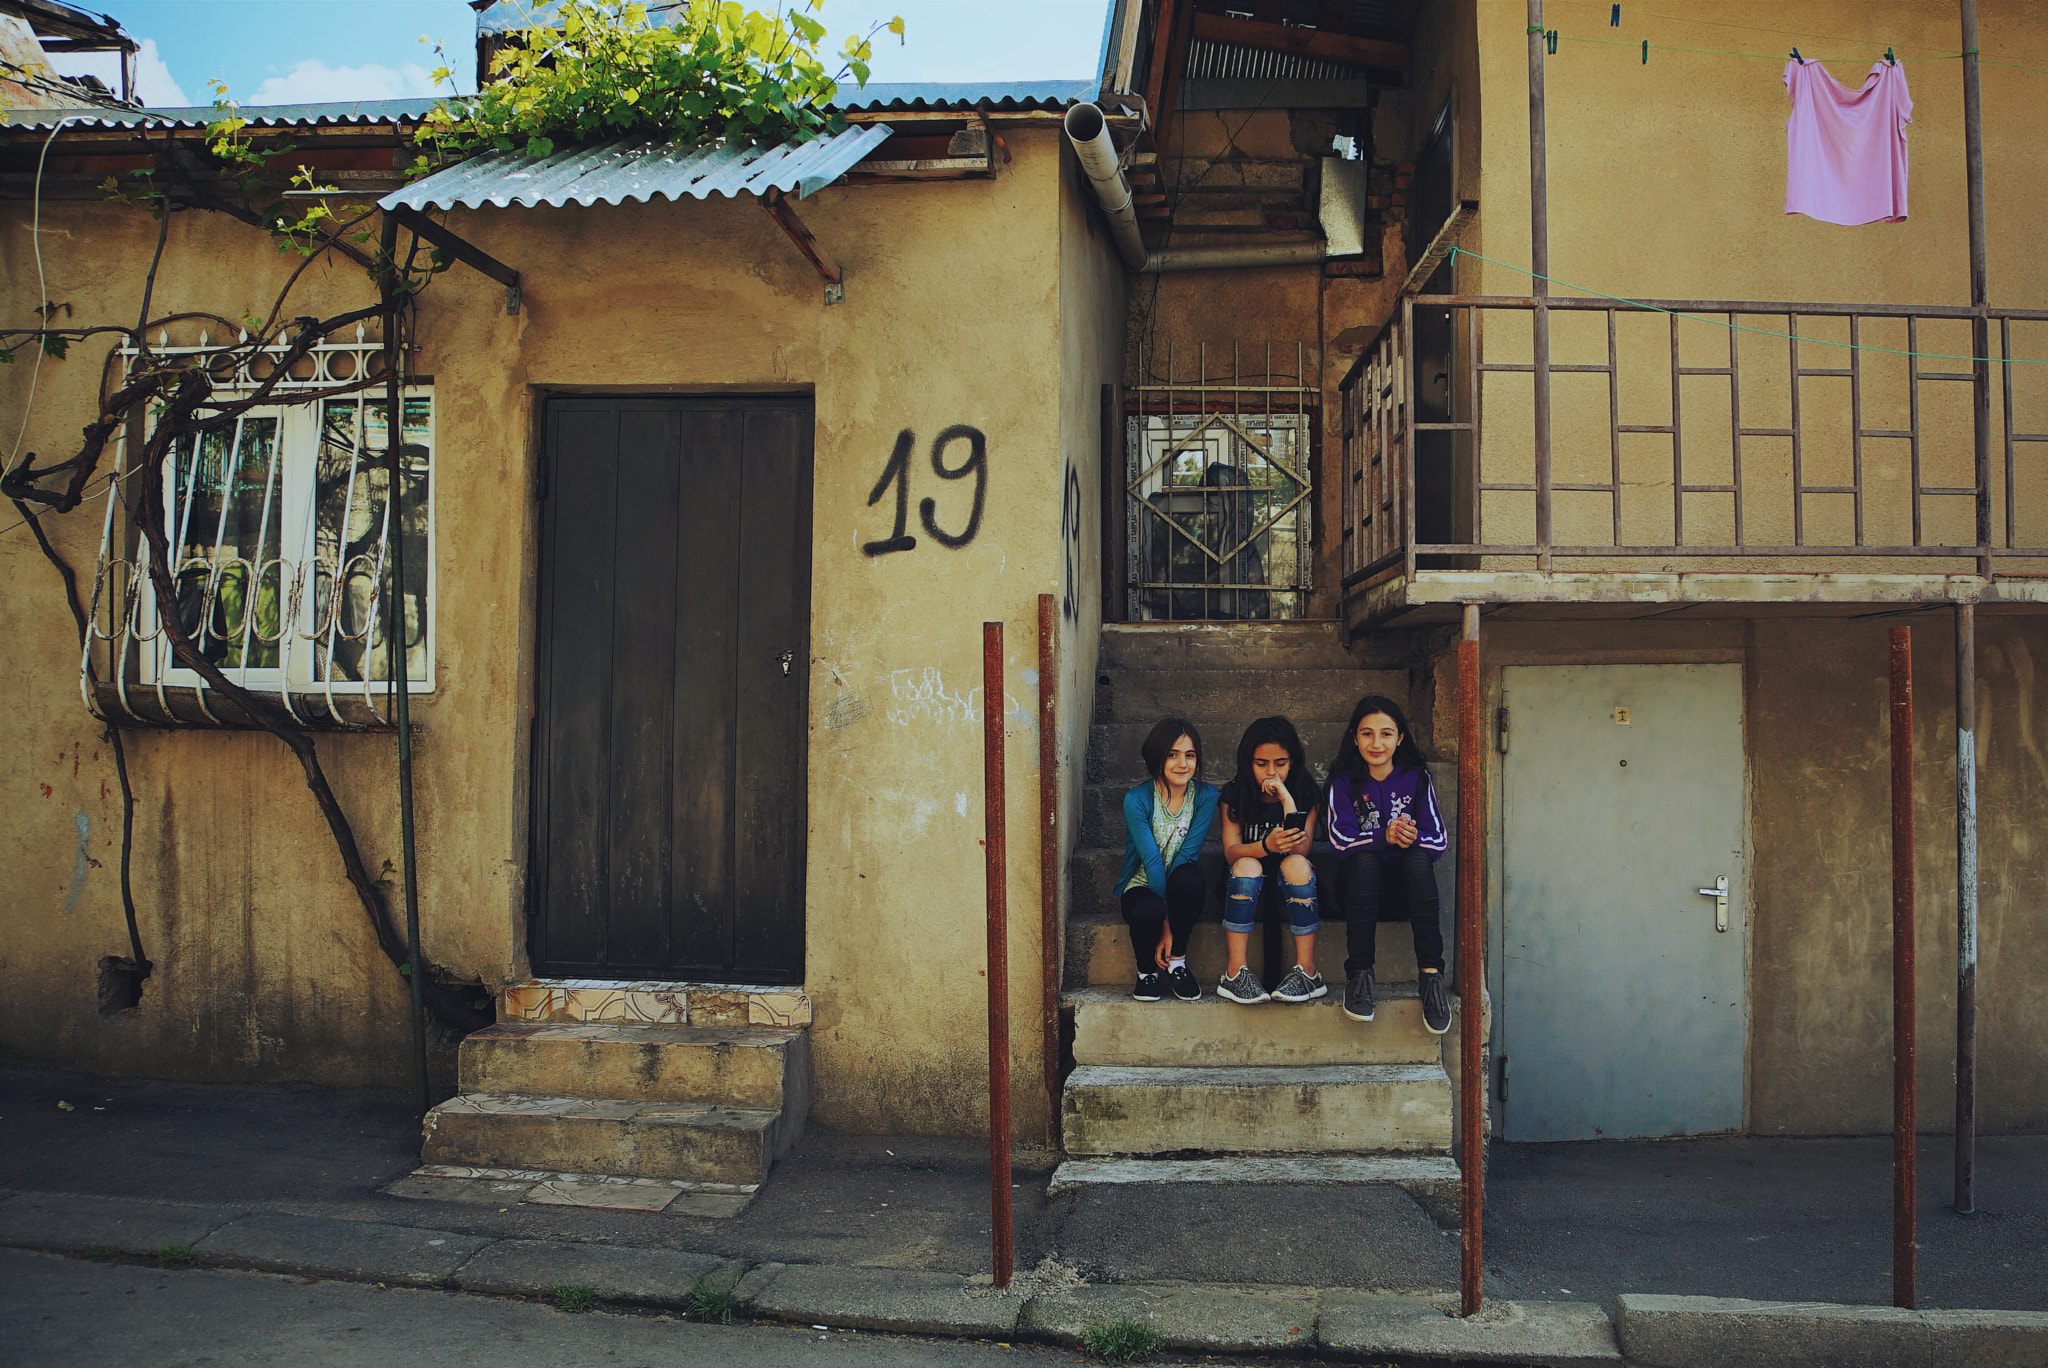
(1345,832)
(1429,823)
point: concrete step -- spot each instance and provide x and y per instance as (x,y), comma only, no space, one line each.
(1092,881)
(1112,1028)
(631,1138)
(1099,952)
(1326,1109)
(753,1067)
(1242,646)
(1145,696)
(1431,1179)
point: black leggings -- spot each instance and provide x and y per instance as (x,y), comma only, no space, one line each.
(1145,912)
(1364,878)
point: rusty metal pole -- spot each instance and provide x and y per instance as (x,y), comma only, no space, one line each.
(1905,1245)
(1471,958)
(995,866)
(1049,858)
(1965,1203)
(1539,285)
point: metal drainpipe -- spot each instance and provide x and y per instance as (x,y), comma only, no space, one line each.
(1089,133)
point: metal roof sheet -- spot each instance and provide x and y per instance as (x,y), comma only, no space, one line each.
(967,94)
(635,169)
(262,116)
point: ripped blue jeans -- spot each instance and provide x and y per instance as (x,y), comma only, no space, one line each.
(1241,900)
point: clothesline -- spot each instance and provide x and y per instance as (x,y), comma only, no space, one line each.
(1784,33)
(1457,252)
(1647,46)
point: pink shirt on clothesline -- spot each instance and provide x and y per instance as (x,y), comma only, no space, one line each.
(1845,151)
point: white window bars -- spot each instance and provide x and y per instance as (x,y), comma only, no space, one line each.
(280,529)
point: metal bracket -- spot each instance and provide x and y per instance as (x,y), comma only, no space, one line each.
(463,251)
(1719,893)
(776,205)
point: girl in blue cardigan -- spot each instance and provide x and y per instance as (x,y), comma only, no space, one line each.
(1166,821)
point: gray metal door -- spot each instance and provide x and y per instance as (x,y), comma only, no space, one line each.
(1621,993)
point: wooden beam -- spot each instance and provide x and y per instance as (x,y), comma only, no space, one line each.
(1165,14)
(776,205)
(1178,37)
(463,251)
(1334,47)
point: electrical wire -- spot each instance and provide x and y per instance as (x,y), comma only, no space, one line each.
(35,237)
(1457,251)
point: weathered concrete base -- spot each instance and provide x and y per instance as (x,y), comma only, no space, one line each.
(1684,1332)
(1432,1180)
(1112,1028)
(1200,1319)
(364,1251)
(1329,1109)
(586,1135)
(653,1277)
(885,1299)
(1552,1334)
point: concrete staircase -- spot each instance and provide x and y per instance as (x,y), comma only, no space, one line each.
(641,1080)
(1210,1090)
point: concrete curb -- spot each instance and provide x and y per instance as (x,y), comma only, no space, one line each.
(1646,1331)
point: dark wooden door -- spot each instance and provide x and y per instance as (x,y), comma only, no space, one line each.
(670,702)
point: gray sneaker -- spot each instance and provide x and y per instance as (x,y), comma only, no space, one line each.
(1358,1003)
(1300,987)
(1436,1003)
(1243,986)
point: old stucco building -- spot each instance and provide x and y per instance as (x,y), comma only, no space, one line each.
(711,538)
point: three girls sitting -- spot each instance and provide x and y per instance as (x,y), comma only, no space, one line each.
(1384,827)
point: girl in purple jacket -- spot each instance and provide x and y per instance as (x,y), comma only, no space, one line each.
(1387,833)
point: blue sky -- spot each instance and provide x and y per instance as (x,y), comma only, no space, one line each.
(311,51)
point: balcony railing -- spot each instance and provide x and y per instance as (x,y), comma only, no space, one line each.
(1513,433)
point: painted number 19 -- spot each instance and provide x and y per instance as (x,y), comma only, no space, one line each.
(897,472)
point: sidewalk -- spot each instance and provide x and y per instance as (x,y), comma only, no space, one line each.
(879,1233)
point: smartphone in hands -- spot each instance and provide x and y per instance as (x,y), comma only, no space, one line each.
(1295,821)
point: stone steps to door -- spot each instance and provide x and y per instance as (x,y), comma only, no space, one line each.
(1325,1109)
(756,1067)
(1112,1028)
(1218,698)
(1431,1179)
(1261,646)
(611,1136)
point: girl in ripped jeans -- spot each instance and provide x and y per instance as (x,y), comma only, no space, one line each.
(1269,821)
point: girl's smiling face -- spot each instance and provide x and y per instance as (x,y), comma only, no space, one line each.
(1270,763)
(1377,739)
(1180,763)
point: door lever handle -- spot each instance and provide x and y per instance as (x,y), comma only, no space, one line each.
(1719,893)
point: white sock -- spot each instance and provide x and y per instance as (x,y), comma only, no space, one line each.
(1177,962)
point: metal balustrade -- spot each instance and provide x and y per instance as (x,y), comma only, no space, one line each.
(1697,434)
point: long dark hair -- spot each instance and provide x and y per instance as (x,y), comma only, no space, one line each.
(1244,795)
(1160,740)
(1406,755)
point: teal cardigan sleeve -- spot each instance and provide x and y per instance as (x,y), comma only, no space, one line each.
(1141,851)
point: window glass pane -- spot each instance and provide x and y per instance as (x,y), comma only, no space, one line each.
(351,539)
(227,514)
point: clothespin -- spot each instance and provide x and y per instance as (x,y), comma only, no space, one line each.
(1889,58)
(1797,58)
(1614,18)
(1550,42)
(1646,52)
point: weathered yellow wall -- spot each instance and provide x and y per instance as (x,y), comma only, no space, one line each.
(955,297)
(1667,180)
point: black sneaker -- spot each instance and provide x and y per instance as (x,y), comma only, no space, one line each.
(1183,983)
(1358,1004)
(1300,986)
(1436,1003)
(1243,986)
(1147,989)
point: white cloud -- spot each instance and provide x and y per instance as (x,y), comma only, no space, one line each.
(314,82)
(154,84)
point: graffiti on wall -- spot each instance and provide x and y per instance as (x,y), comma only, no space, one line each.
(897,472)
(1070,543)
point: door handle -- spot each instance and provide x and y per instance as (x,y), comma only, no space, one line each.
(787,658)
(1719,893)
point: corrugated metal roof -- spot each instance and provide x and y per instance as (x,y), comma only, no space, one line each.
(968,94)
(263,116)
(634,169)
